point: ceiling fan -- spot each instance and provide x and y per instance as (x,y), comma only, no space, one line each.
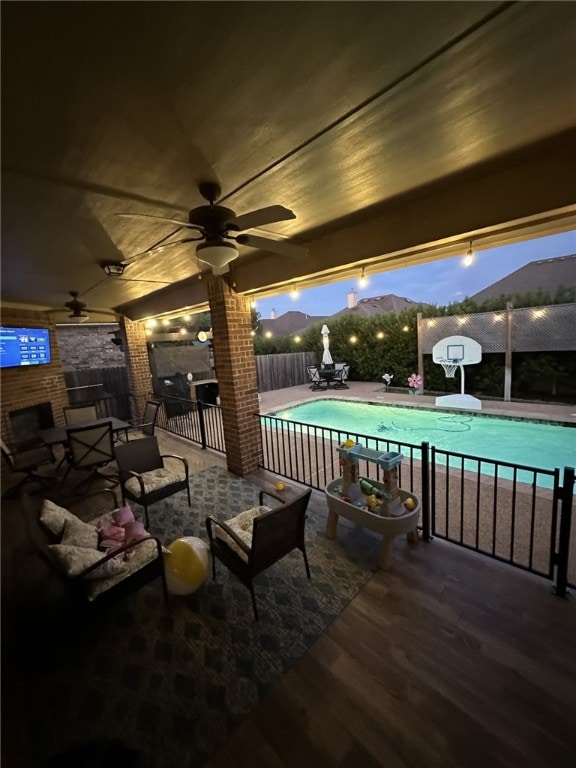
(216,227)
(78,310)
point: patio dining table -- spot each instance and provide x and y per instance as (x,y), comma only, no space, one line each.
(331,376)
(58,436)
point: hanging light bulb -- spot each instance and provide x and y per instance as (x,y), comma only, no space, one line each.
(469,258)
(363,280)
(294,293)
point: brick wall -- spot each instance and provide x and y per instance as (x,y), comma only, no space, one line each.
(31,385)
(236,372)
(89,346)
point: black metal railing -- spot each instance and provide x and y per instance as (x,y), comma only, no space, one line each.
(196,421)
(514,513)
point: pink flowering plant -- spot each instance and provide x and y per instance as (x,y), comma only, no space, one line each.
(415,382)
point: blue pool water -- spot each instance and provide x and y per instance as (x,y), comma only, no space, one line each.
(533,444)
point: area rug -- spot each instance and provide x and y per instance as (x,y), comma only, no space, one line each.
(172,682)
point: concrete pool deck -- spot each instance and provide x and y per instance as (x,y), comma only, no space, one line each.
(374,392)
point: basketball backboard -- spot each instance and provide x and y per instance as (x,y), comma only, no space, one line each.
(457,350)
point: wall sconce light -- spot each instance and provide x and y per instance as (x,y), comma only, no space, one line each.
(363,280)
(469,258)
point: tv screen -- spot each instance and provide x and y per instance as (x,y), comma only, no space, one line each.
(24,346)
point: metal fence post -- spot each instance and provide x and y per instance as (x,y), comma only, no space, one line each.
(563,555)
(425,501)
(201,423)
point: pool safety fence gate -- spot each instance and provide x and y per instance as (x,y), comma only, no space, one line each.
(514,513)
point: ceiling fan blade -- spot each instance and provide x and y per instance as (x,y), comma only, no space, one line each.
(158,218)
(160,247)
(284,249)
(268,215)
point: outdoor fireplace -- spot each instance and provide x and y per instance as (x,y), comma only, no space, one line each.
(26,422)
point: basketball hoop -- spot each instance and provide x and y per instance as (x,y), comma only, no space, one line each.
(449,369)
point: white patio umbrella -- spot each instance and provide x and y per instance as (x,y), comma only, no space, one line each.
(326,356)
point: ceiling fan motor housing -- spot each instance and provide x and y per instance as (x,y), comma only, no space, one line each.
(215,220)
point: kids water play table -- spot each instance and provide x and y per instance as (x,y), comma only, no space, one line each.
(388,527)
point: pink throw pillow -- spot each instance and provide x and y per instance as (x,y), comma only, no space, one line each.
(123,515)
(135,531)
(111,531)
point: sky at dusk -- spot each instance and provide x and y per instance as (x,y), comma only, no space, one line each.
(439,282)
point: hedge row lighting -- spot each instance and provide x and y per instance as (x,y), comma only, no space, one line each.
(353,339)
(363,280)
(380,335)
(268,334)
(406,328)
(297,339)
(468,260)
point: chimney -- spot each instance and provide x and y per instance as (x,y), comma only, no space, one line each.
(352,299)
(273,315)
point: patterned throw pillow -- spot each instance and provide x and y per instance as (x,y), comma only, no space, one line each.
(79,534)
(74,560)
(242,525)
(54,517)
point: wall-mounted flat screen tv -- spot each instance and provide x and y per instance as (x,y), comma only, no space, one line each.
(24,346)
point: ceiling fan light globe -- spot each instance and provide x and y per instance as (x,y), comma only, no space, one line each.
(217,256)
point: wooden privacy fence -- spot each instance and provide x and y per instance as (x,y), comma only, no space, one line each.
(280,371)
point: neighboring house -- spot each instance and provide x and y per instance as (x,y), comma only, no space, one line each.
(547,275)
(376,305)
(289,323)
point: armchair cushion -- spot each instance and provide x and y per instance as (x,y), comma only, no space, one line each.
(153,480)
(54,517)
(79,534)
(75,560)
(242,525)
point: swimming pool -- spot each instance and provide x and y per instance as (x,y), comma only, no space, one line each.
(533,444)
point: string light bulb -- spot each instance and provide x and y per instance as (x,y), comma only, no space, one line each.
(294,293)
(469,258)
(363,280)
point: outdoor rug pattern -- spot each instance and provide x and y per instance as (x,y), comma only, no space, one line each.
(173,682)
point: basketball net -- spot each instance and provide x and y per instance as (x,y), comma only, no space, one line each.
(449,369)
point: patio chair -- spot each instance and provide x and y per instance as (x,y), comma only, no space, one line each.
(27,462)
(252,541)
(147,425)
(76,414)
(91,576)
(342,376)
(89,448)
(144,476)
(314,376)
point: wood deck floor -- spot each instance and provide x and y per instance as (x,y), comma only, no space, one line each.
(449,659)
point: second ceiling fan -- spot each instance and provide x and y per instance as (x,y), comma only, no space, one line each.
(219,229)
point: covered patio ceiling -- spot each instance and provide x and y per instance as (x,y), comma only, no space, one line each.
(396,132)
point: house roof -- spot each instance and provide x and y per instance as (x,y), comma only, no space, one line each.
(289,322)
(546,274)
(377,305)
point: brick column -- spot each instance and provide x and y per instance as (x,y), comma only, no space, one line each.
(137,362)
(236,373)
